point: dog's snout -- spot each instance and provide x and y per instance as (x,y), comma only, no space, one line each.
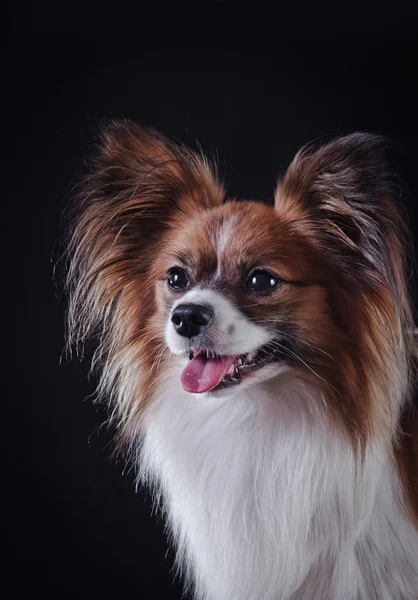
(190,319)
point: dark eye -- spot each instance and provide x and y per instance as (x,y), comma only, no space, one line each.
(177,279)
(261,281)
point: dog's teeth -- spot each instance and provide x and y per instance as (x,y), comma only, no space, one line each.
(249,358)
(239,362)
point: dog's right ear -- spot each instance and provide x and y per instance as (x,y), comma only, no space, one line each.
(138,178)
(138,183)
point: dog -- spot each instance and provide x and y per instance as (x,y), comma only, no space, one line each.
(260,362)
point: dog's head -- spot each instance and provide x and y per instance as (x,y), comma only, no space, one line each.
(234,293)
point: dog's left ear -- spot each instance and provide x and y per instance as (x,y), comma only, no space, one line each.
(342,195)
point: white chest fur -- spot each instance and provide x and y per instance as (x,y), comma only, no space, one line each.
(265,502)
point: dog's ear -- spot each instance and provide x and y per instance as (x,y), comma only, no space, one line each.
(138,179)
(342,195)
(138,183)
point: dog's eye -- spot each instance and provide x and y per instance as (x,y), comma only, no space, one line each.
(177,278)
(261,281)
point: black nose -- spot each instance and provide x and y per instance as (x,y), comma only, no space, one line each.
(190,319)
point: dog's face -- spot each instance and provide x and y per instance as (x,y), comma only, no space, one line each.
(163,265)
(242,296)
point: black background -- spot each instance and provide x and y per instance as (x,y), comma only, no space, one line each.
(250,94)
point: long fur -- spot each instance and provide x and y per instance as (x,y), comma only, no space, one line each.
(300,486)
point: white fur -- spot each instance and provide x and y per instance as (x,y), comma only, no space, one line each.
(246,336)
(224,234)
(221,239)
(265,500)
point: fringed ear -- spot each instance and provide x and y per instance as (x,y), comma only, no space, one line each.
(138,178)
(137,183)
(342,193)
(151,171)
(341,197)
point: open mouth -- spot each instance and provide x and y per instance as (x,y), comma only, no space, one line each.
(206,371)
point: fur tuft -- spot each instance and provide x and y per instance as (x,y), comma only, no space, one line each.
(138,184)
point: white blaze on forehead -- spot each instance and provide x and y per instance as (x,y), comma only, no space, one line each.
(223,234)
(230,332)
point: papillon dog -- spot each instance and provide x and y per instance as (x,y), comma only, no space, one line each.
(260,363)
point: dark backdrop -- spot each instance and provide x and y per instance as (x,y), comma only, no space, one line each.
(75,526)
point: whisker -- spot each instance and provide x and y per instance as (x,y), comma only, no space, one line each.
(308,344)
(286,334)
(302,361)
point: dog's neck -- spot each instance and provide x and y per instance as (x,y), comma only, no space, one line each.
(262,494)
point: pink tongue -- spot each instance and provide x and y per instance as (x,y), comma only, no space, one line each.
(201,374)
